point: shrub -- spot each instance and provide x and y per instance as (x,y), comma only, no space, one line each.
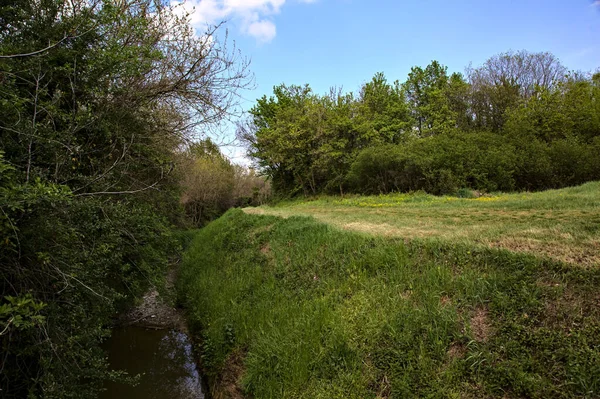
(438,165)
(573,162)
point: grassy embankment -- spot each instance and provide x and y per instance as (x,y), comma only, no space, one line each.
(432,302)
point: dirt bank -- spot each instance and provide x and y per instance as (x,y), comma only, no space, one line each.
(156,311)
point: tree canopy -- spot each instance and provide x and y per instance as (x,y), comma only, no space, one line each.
(434,130)
(97,99)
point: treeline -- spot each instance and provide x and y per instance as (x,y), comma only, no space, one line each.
(97,100)
(521,121)
(211,183)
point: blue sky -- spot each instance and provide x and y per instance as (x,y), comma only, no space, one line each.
(345,42)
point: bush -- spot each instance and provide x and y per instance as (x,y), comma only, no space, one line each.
(573,162)
(68,264)
(465,193)
(477,161)
(438,165)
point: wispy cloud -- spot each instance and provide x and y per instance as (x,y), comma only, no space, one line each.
(256,17)
(596,3)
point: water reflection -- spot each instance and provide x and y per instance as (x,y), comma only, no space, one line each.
(163,356)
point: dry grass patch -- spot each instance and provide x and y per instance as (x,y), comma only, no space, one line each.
(480,325)
(228,385)
(559,224)
(384,390)
(266,249)
(456,351)
(585,254)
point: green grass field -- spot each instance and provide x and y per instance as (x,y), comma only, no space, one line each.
(561,224)
(413,297)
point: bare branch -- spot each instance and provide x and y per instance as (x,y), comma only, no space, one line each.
(65,37)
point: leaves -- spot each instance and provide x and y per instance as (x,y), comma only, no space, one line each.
(90,129)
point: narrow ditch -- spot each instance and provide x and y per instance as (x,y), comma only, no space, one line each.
(152,340)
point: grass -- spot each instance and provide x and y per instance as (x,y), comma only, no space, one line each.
(561,224)
(296,308)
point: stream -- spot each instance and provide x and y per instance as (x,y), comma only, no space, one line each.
(164,358)
(151,340)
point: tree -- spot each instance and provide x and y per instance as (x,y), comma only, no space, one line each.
(433,99)
(569,109)
(208,180)
(306,142)
(383,115)
(96,98)
(281,135)
(506,78)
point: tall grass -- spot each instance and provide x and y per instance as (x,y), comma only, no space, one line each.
(311,311)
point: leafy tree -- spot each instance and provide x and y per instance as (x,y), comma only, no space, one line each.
(526,121)
(383,115)
(569,109)
(96,98)
(434,99)
(250,188)
(306,142)
(282,136)
(207,182)
(504,79)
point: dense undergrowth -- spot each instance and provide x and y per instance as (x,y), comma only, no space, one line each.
(98,99)
(294,308)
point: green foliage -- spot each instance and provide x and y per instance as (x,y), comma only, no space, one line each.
(382,112)
(569,110)
(20,313)
(82,259)
(96,99)
(434,98)
(484,162)
(306,143)
(439,165)
(505,79)
(531,126)
(211,184)
(318,312)
(207,182)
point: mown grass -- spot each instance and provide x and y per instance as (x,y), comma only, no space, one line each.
(295,308)
(561,224)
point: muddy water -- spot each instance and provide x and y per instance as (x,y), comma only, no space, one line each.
(165,359)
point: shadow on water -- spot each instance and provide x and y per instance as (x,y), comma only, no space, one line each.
(165,359)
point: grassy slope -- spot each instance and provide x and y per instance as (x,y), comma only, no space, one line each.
(307,310)
(563,224)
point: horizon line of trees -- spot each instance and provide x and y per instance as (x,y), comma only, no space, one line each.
(211,183)
(520,121)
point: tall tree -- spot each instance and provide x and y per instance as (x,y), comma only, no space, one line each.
(570,109)
(95,98)
(281,134)
(506,78)
(432,96)
(383,115)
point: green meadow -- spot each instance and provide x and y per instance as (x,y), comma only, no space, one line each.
(560,224)
(401,296)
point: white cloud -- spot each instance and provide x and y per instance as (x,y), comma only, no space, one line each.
(255,16)
(264,31)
